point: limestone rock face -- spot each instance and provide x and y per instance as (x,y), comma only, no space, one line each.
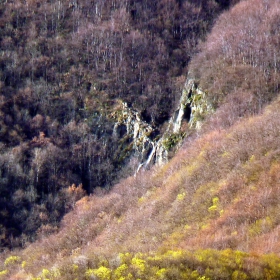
(146,143)
(193,106)
(184,108)
(143,137)
(200,107)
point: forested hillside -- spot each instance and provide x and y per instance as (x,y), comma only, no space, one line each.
(65,69)
(212,211)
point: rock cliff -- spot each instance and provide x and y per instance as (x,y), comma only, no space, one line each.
(146,142)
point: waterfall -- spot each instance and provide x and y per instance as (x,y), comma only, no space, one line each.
(151,155)
(145,148)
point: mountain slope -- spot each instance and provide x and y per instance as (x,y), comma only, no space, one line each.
(212,211)
(220,192)
(66,68)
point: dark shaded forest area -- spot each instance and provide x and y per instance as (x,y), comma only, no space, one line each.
(64,65)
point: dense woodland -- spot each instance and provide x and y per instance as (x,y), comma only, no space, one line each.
(211,212)
(64,67)
(238,66)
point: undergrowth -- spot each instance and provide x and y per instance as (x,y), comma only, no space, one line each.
(172,264)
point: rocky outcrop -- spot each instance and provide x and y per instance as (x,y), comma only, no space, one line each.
(184,109)
(145,141)
(193,107)
(200,108)
(144,138)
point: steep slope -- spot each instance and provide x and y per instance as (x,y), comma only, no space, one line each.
(220,192)
(65,69)
(238,66)
(212,212)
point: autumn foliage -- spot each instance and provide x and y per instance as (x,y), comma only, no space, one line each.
(239,63)
(65,66)
(211,212)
